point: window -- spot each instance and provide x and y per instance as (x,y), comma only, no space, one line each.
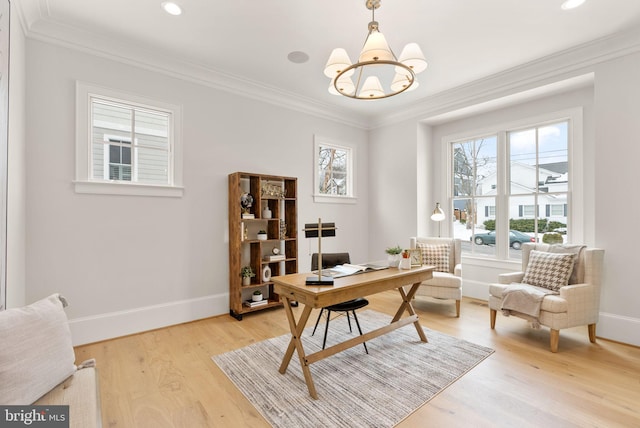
(515,186)
(334,172)
(126,144)
(474,193)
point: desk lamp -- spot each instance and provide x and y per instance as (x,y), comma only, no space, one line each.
(319,230)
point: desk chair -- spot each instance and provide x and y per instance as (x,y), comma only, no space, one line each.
(330,260)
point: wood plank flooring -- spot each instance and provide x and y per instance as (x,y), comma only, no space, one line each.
(166,378)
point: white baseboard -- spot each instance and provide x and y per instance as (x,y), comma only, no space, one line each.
(115,324)
(475,289)
(619,328)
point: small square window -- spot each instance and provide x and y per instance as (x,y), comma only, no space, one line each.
(334,172)
(126,144)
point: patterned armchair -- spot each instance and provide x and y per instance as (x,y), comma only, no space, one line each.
(445,255)
(564,295)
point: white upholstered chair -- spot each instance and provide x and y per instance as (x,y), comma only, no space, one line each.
(575,304)
(447,276)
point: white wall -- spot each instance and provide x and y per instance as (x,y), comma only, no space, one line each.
(132,263)
(617,131)
(16,193)
(611,148)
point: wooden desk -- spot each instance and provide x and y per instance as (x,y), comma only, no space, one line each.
(292,288)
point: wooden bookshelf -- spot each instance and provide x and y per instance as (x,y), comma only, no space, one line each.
(279,195)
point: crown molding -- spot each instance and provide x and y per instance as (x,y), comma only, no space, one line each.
(564,65)
(38,26)
(568,65)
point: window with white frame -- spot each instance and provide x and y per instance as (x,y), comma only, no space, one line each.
(126,144)
(333,171)
(494,219)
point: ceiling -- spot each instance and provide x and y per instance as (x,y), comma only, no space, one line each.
(244,43)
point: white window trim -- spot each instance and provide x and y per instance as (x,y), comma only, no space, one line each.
(575,192)
(351,181)
(84,183)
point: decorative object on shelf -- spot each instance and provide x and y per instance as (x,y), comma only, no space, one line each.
(275,250)
(266,274)
(376,61)
(245,233)
(283,229)
(405,261)
(438,215)
(256,296)
(246,202)
(262,235)
(318,231)
(394,255)
(247,273)
(272,190)
(266,213)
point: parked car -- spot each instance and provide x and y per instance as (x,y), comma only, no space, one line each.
(516,238)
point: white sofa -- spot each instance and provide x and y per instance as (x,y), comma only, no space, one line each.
(447,276)
(37,363)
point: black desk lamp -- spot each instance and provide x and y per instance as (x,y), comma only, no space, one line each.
(319,230)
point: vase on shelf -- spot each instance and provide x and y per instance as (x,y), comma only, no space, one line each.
(266,213)
(246,280)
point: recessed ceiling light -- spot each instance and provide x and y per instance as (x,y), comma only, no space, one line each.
(571,4)
(172,8)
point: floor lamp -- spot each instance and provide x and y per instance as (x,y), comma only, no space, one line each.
(318,231)
(438,215)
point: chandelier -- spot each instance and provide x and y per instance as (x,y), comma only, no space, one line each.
(376,64)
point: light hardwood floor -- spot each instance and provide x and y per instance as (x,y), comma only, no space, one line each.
(166,378)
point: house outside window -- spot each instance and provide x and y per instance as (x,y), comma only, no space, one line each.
(127,145)
(534,164)
(334,171)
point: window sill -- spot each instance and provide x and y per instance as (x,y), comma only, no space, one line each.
(326,199)
(113,188)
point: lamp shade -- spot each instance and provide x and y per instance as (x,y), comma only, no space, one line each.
(412,57)
(345,86)
(338,61)
(402,80)
(438,214)
(371,88)
(376,48)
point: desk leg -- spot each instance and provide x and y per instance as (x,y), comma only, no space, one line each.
(406,305)
(296,343)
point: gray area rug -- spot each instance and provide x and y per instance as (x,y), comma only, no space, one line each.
(398,376)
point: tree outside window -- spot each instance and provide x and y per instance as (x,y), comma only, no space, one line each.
(333,171)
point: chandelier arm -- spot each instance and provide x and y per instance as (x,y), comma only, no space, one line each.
(361,65)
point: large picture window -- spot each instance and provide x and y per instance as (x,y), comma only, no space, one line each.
(512,187)
(127,145)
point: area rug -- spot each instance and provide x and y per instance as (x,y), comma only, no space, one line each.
(380,389)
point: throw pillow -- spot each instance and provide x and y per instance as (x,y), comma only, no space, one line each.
(435,255)
(36,352)
(548,270)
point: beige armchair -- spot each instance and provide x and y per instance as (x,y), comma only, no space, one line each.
(571,305)
(444,254)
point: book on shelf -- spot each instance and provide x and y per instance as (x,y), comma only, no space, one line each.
(252,304)
(275,258)
(248,216)
(349,269)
